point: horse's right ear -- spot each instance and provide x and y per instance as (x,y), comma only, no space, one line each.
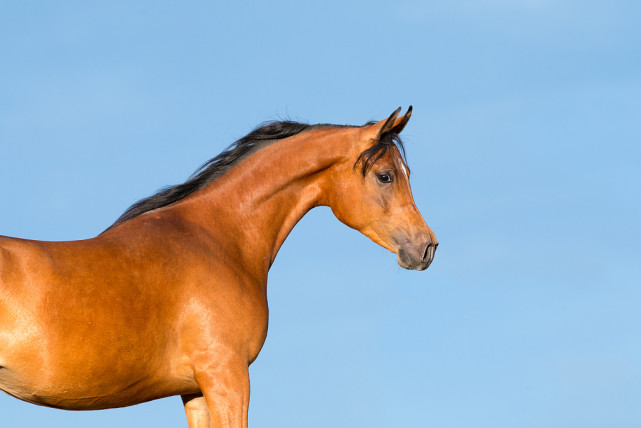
(393,123)
(389,122)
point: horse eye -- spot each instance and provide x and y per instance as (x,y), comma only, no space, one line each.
(384,178)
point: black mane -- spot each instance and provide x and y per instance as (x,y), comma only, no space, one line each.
(214,168)
(260,137)
(380,147)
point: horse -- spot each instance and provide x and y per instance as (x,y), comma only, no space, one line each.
(171,298)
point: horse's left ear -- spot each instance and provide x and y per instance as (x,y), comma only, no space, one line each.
(399,124)
(393,123)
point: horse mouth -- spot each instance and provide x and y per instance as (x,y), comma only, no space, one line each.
(415,260)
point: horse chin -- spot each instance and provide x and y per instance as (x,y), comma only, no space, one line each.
(417,266)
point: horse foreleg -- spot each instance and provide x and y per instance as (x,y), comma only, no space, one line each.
(196,411)
(226,392)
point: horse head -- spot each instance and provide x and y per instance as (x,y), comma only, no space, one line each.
(372,194)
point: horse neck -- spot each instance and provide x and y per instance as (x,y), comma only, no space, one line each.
(258,202)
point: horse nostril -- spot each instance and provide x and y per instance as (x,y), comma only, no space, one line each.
(427,250)
(428,255)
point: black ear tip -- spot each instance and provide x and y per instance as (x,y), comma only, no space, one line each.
(409,112)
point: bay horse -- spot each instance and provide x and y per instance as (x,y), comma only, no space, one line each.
(171,299)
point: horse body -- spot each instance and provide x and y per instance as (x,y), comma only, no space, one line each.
(80,340)
(173,301)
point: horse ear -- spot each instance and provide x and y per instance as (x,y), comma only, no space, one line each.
(393,123)
(400,123)
(389,122)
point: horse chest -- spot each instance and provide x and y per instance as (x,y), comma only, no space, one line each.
(231,318)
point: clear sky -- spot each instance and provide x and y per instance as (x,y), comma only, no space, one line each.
(525,154)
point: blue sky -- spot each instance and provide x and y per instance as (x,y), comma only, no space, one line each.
(524,149)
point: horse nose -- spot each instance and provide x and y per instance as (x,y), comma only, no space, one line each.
(417,255)
(428,254)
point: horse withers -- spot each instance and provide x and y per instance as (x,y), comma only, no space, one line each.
(171,299)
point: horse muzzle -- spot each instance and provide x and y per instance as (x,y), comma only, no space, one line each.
(417,257)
